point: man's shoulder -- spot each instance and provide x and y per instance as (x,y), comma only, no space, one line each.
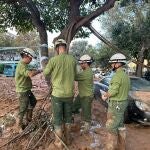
(69,56)
(116,77)
(20,64)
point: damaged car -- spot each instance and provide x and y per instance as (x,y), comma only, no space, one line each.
(138,109)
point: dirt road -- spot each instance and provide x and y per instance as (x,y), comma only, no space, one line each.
(138,137)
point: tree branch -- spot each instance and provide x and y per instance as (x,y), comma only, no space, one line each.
(108,4)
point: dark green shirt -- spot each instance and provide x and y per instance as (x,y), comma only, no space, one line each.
(22,80)
(85,82)
(119,86)
(62,69)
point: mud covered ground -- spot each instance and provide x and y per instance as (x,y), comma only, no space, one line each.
(138,137)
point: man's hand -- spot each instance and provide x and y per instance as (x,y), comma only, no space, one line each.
(34,72)
(105,96)
(39,70)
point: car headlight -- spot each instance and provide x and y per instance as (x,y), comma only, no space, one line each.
(142,106)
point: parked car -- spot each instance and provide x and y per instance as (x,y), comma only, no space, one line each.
(139,99)
(147,75)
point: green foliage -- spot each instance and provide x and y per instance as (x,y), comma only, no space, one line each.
(131,37)
(12,15)
(54,14)
(79,48)
(99,53)
(30,39)
(124,3)
(129,27)
(1,68)
(6,39)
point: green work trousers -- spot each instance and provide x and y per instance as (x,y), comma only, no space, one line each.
(26,101)
(85,104)
(62,110)
(115,115)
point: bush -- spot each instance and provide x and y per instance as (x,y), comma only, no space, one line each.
(1,68)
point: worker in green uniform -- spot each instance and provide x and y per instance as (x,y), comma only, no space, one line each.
(27,100)
(85,86)
(117,103)
(62,69)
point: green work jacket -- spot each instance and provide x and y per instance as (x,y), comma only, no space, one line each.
(85,82)
(61,69)
(22,80)
(119,86)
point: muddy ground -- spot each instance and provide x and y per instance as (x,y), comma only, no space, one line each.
(138,137)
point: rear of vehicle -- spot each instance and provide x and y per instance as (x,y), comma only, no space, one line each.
(99,89)
(139,101)
(138,109)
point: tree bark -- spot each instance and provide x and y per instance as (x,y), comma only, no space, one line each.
(77,21)
(74,24)
(40,26)
(141,60)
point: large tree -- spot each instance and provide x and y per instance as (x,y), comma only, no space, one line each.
(134,36)
(129,29)
(67,16)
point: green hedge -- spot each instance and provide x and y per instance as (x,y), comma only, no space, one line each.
(1,68)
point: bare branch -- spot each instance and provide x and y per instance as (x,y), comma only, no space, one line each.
(108,4)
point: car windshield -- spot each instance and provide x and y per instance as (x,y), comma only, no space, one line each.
(140,84)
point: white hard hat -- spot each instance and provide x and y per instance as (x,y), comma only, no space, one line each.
(118,58)
(29,52)
(44,45)
(60,41)
(85,58)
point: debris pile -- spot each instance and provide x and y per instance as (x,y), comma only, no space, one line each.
(34,134)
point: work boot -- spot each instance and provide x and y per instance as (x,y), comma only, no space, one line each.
(67,134)
(58,142)
(122,138)
(29,115)
(20,125)
(111,143)
(85,127)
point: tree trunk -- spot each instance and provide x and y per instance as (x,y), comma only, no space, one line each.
(141,60)
(39,24)
(77,21)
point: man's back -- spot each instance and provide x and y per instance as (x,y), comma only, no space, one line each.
(62,69)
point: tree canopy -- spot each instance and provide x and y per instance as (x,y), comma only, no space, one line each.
(55,15)
(66,16)
(29,39)
(129,29)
